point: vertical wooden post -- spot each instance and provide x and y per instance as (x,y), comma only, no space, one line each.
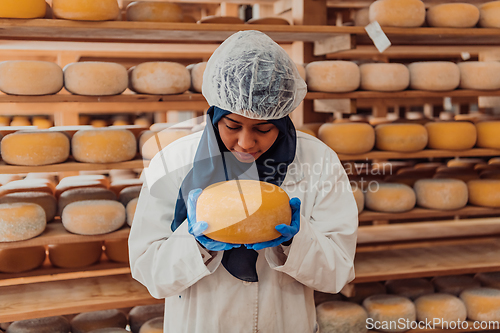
(229,9)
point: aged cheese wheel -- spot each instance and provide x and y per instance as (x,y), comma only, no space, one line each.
(480,75)
(221,20)
(23,77)
(129,193)
(398,13)
(489,14)
(103,145)
(490,174)
(483,304)
(411,288)
(390,308)
(154,325)
(131,207)
(362,17)
(86,10)
(197,76)
(348,138)
(341,317)
(365,290)
(442,194)
(88,321)
(454,284)
(453,135)
(151,142)
(61,188)
(434,75)
(118,185)
(268,21)
(453,15)
(488,134)
(45,200)
(99,123)
(35,148)
(332,76)
(83,193)
(489,279)
(116,250)
(360,198)
(440,308)
(22,259)
(20,221)
(84,178)
(484,192)
(159,78)
(95,78)
(42,123)
(57,324)
(151,11)
(93,217)
(25,9)
(465,177)
(244,217)
(75,255)
(384,77)
(401,137)
(464,162)
(141,314)
(390,198)
(422,173)
(27,185)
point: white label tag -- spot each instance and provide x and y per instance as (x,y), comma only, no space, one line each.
(465,55)
(378,36)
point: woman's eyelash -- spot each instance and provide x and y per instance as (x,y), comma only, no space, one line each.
(264,131)
(232,128)
(237,128)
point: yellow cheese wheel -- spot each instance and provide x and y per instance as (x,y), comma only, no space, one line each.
(159,78)
(480,75)
(45,200)
(484,192)
(151,142)
(86,10)
(490,174)
(453,15)
(93,217)
(154,325)
(103,145)
(42,123)
(465,177)
(348,138)
(494,161)
(129,193)
(442,194)
(365,290)
(411,288)
(75,255)
(61,188)
(151,11)
(197,76)
(483,304)
(400,137)
(142,122)
(84,178)
(118,185)
(390,197)
(454,135)
(131,207)
(332,76)
(362,17)
(489,14)
(398,13)
(244,211)
(27,185)
(268,21)
(411,171)
(116,250)
(384,77)
(95,78)
(25,9)
(360,198)
(29,77)
(388,167)
(22,259)
(20,221)
(454,284)
(99,123)
(434,75)
(83,193)
(341,317)
(428,165)
(57,324)
(88,321)
(488,279)
(488,134)
(440,308)
(464,162)
(389,308)
(221,20)
(142,313)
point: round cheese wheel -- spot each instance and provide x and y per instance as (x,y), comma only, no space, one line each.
(465,177)
(428,165)
(117,250)
(151,11)
(454,135)
(159,78)
(398,13)
(61,188)
(35,148)
(23,77)
(75,255)
(341,317)
(488,279)
(118,185)
(131,207)
(103,145)
(141,314)
(453,15)
(488,134)
(86,10)
(484,192)
(442,194)
(390,198)
(490,174)
(129,193)
(93,217)
(197,76)
(365,290)
(480,75)
(99,123)
(221,20)
(348,138)
(25,9)
(464,162)
(400,137)
(494,161)
(454,284)
(42,123)
(411,288)
(88,321)
(489,14)
(332,76)
(268,21)
(83,193)
(27,185)
(360,198)
(142,122)
(45,200)
(84,178)
(22,259)
(154,325)
(362,17)
(20,221)
(384,77)
(411,171)
(251,211)
(434,75)
(151,142)
(483,304)
(390,308)
(57,324)
(95,78)
(440,308)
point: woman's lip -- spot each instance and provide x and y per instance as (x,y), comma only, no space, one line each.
(245,156)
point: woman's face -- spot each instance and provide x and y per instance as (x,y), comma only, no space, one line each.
(246,138)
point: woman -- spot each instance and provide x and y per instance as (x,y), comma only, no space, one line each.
(252,85)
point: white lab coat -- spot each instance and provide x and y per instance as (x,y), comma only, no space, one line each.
(200,295)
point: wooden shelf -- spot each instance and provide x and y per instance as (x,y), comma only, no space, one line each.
(405,94)
(426,153)
(122,98)
(72,166)
(422,213)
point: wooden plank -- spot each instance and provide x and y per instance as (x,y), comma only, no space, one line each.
(72,166)
(123,98)
(402,94)
(422,213)
(426,153)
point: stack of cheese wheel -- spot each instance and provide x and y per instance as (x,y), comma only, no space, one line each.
(130,210)
(332,76)
(488,279)
(489,14)
(411,288)
(81,194)
(23,9)
(154,325)
(103,145)
(159,78)
(434,75)
(488,134)
(483,304)
(93,217)
(151,142)
(95,78)
(20,221)
(442,194)
(480,75)
(197,71)
(88,321)
(367,289)
(21,77)
(390,308)
(390,198)
(152,11)
(348,138)
(484,192)
(440,308)
(384,77)
(86,10)
(398,13)
(75,255)
(141,314)
(453,15)
(18,121)
(453,135)
(19,260)
(221,20)
(401,137)
(57,324)
(45,200)
(454,284)
(339,316)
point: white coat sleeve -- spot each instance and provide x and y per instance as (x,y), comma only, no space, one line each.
(321,255)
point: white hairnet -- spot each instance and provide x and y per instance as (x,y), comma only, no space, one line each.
(249,74)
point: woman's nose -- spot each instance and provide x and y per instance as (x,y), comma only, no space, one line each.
(246,140)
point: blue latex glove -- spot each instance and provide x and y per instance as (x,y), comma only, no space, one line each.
(196,228)
(286,231)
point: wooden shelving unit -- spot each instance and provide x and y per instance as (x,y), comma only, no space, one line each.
(423,213)
(72,166)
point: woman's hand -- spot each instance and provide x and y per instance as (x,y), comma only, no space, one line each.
(196,228)
(287,231)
